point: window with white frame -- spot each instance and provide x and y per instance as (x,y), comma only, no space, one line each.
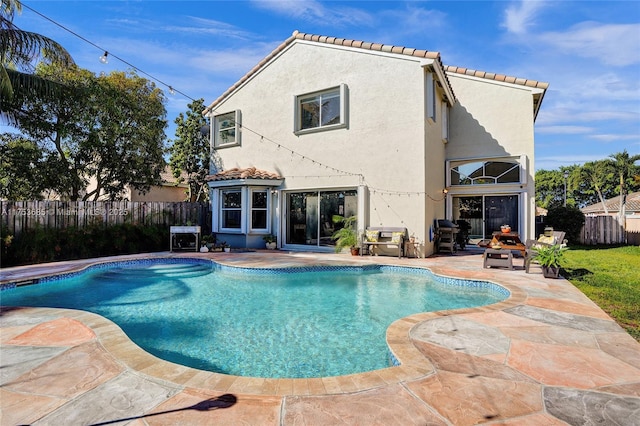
(226,129)
(445,122)
(431,97)
(321,110)
(489,172)
(259,205)
(231,209)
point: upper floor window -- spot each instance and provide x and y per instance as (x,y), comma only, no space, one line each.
(445,122)
(321,110)
(485,172)
(431,97)
(226,129)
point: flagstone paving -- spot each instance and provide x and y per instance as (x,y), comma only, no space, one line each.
(545,356)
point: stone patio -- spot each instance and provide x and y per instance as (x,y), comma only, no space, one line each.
(545,356)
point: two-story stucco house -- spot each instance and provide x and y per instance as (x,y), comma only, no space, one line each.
(326,126)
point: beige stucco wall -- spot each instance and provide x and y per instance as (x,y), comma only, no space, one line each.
(495,120)
(384,148)
(173,194)
(389,149)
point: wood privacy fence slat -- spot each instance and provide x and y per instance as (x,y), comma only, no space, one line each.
(18,216)
(605,229)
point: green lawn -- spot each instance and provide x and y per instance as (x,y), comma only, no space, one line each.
(611,278)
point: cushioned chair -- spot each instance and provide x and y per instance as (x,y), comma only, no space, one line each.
(548,241)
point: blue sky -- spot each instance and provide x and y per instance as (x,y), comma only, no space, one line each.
(588,51)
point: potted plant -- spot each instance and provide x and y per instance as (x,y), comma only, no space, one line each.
(271,241)
(347,235)
(226,247)
(505,229)
(208,241)
(550,259)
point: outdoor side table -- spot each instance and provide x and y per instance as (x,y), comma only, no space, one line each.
(499,258)
(193,230)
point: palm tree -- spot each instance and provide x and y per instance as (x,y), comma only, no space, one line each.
(597,174)
(625,167)
(20,51)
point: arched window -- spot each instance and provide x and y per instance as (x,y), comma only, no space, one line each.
(485,173)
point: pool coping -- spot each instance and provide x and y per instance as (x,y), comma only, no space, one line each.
(546,355)
(413,363)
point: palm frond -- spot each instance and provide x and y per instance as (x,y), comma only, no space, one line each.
(22,85)
(23,49)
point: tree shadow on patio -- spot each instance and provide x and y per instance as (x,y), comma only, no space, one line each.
(223,401)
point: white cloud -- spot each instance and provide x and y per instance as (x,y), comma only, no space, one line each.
(556,161)
(235,61)
(564,130)
(415,20)
(611,44)
(210,27)
(614,137)
(318,13)
(518,18)
(576,113)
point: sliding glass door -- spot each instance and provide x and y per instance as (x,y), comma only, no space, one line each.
(486,213)
(309,215)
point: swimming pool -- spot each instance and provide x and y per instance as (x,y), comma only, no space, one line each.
(298,322)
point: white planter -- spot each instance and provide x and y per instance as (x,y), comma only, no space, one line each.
(271,246)
(227,249)
(204,249)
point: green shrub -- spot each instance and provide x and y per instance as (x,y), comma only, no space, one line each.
(568,219)
(40,244)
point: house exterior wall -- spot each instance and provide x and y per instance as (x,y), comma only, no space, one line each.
(390,149)
(494,120)
(174,194)
(386,149)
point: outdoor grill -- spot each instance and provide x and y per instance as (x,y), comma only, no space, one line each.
(446,232)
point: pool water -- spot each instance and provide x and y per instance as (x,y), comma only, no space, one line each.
(278,324)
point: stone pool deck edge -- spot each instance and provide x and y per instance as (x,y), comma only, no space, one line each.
(463,353)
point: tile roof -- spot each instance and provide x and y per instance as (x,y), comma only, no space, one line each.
(167,178)
(632,204)
(327,40)
(497,77)
(246,173)
(383,48)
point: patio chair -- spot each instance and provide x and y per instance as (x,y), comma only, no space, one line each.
(530,246)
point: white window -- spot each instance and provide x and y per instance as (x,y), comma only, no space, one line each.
(431,97)
(226,129)
(322,110)
(259,212)
(231,209)
(490,172)
(445,122)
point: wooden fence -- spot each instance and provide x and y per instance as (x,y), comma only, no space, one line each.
(606,230)
(22,215)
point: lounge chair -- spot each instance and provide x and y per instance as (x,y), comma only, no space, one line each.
(557,238)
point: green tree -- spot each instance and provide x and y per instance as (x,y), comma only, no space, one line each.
(189,159)
(625,170)
(550,187)
(20,51)
(594,182)
(25,172)
(569,219)
(107,130)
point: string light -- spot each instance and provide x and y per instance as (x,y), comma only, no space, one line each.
(105,57)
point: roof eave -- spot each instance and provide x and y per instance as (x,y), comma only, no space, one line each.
(224,183)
